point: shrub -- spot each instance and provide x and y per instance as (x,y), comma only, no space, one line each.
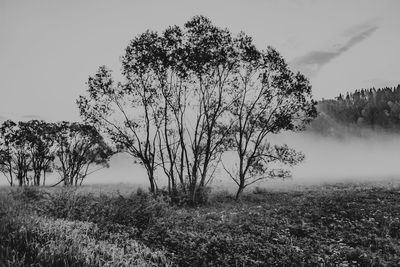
(137,210)
(260,190)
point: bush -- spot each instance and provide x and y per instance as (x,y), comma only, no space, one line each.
(181,198)
(137,210)
(260,190)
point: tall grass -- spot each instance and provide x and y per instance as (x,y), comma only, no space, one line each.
(29,237)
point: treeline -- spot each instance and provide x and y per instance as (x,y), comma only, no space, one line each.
(376,109)
(29,150)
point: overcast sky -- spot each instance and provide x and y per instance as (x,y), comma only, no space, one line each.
(49,48)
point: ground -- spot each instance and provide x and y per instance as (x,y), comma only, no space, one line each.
(346,224)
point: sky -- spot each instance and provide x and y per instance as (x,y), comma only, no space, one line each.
(48,48)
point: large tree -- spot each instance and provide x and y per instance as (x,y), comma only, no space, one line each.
(169,112)
(176,106)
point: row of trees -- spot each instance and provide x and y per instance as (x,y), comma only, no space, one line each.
(29,150)
(190,96)
(370,108)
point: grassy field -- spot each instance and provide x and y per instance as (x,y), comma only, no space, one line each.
(330,225)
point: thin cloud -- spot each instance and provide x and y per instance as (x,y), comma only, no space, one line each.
(313,61)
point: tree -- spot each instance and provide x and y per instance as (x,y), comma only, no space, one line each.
(40,136)
(271,98)
(170,111)
(79,149)
(15,159)
(174,109)
(6,163)
(195,79)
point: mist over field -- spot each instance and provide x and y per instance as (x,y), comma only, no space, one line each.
(373,157)
(330,159)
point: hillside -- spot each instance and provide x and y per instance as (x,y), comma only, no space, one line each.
(365,109)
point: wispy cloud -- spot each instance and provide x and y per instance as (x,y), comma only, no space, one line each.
(313,61)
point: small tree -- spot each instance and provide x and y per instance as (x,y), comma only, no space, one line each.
(126,113)
(6,163)
(15,159)
(79,149)
(40,136)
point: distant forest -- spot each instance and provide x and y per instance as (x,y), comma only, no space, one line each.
(375,109)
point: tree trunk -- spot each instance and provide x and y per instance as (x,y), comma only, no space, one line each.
(192,188)
(241,188)
(36,178)
(239,193)
(153,187)
(66,180)
(11,176)
(242,176)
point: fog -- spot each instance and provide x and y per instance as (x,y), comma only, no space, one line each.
(374,157)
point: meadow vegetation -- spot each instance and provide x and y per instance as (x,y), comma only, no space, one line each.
(331,225)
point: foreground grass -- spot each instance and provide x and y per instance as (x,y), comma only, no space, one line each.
(30,237)
(337,225)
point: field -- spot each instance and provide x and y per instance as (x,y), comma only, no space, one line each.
(346,224)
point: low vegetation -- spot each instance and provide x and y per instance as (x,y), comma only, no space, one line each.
(333,225)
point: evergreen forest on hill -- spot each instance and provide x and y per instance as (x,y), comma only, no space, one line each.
(374,109)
